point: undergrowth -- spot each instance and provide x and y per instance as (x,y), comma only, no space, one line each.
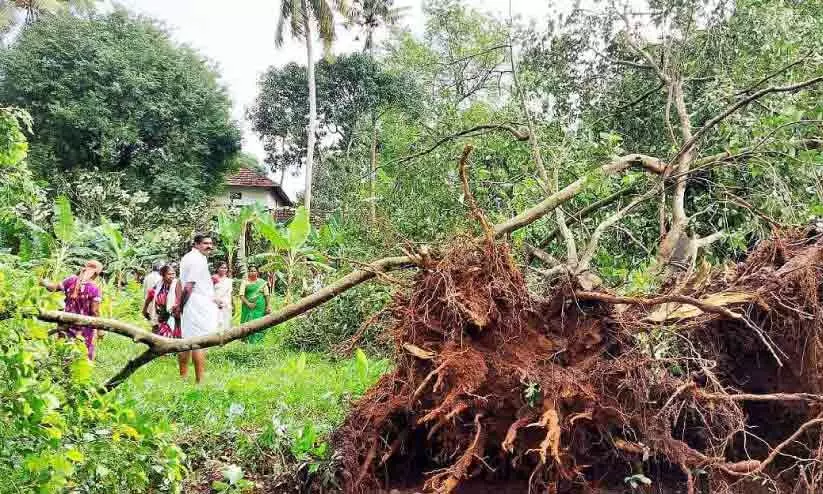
(264,407)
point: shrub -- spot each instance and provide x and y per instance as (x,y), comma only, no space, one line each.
(57,433)
(336,321)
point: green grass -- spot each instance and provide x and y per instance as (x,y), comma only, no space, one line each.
(246,388)
(263,380)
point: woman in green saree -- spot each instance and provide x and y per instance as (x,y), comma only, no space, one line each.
(254,293)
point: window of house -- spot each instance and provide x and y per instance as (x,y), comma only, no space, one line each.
(235,196)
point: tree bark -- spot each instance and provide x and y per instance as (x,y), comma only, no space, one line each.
(310,130)
(373,174)
(241,248)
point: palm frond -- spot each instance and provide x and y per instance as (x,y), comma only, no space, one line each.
(322,12)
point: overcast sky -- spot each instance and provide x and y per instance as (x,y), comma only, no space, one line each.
(239,37)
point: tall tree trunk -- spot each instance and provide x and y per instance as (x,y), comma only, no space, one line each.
(373,174)
(373,167)
(241,249)
(312,113)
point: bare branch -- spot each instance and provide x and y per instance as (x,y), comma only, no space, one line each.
(709,239)
(584,213)
(591,248)
(627,63)
(473,55)
(804,397)
(519,135)
(643,53)
(682,299)
(129,369)
(640,98)
(541,254)
(469,197)
(550,186)
(550,203)
(780,447)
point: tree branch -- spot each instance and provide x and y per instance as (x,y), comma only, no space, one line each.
(588,210)
(159,346)
(591,248)
(640,98)
(773,75)
(688,145)
(681,299)
(517,134)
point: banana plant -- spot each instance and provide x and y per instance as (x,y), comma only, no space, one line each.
(291,255)
(120,256)
(65,244)
(228,229)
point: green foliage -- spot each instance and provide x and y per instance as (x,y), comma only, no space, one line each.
(349,88)
(233,480)
(57,434)
(137,104)
(308,449)
(336,321)
(292,260)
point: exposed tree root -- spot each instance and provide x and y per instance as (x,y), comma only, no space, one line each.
(578,391)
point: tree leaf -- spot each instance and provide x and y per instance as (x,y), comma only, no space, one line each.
(299,228)
(63,222)
(272,233)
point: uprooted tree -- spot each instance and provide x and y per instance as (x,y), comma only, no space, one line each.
(714,383)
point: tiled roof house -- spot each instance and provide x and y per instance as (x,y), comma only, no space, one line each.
(249,186)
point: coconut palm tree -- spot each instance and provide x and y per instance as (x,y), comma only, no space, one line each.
(369,15)
(303,18)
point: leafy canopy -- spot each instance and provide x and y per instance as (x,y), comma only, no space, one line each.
(348,88)
(114,93)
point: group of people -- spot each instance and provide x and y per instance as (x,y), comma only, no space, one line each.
(196,304)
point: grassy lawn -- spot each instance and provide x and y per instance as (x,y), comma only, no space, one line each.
(247,388)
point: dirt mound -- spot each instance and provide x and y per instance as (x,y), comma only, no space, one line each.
(588,392)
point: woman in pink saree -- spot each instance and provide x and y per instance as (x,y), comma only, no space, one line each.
(83,297)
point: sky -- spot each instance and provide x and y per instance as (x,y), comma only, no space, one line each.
(238,36)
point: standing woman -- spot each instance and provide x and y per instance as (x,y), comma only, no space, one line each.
(83,297)
(165,298)
(254,292)
(222,295)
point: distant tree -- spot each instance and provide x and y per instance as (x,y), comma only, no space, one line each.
(303,17)
(114,93)
(350,87)
(369,15)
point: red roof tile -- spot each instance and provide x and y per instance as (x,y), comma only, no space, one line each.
(247,177)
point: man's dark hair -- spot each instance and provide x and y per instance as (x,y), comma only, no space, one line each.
(200,237)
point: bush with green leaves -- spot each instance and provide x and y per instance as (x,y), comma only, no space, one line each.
(57,433)
(338,320)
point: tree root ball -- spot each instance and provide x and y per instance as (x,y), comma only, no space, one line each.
(496,390)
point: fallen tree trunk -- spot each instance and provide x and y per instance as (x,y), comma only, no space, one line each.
(158,346)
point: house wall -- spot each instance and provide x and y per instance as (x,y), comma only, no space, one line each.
(248,196)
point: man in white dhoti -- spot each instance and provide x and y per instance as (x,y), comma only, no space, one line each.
(200,314)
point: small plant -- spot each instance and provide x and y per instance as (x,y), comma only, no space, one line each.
(233,480)
(532,393)
(308,449)
(637,480)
